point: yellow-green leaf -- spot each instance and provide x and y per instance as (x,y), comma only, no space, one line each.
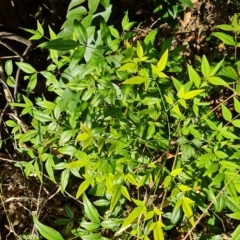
(168,99)
(76,164)
(178,112)
(135,80)
(162,75)
(132,67)
(125,193)
(193,76)
(162,62)
(132,216)
(227,115)
(83,187)
(158,231)
(139,50)
(184,188)
(181,92)
(47,232)
(175,172)
(192,94)
(188,211)
(217,81)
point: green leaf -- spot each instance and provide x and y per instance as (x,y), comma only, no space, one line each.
(47,232)
(135,80)
(217,179)
(235,21)
(225,27)
(186,3)
(217,81)
(132,216)
(25,67)
(158,231)
(92,5)
(175,172)
(65,136)
(28,135)
(105,31)
(40,28)
(235,215)
(49,167)
(89,226)
(125,193)
(115,196)
(111,223)
(139,50)
(125,22)
(193,76)
(90,211)
(228,134)
(236,234)
(74,3)
(229,165)
(176,214)
(188,210)
(162,62)
(236,123)
(77,57)
(60,44)
(64,179)
(77,13)
(205,67)
(9,67)
(76,164)
(227,115)
(236,104)
(192,94)
(92,236)
(41,116)
(132,67)
(216,68)
(80,32)
(31,84)
(68,150)
(184,188)
(83,187)
(227,39)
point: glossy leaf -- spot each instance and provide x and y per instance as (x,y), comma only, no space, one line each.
(60,44)
(47,232)
(26,67)
(90,211)
(111,223)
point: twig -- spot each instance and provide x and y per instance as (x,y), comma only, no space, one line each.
(11,49)
(15,37)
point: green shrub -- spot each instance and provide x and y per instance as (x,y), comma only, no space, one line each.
(135,127)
